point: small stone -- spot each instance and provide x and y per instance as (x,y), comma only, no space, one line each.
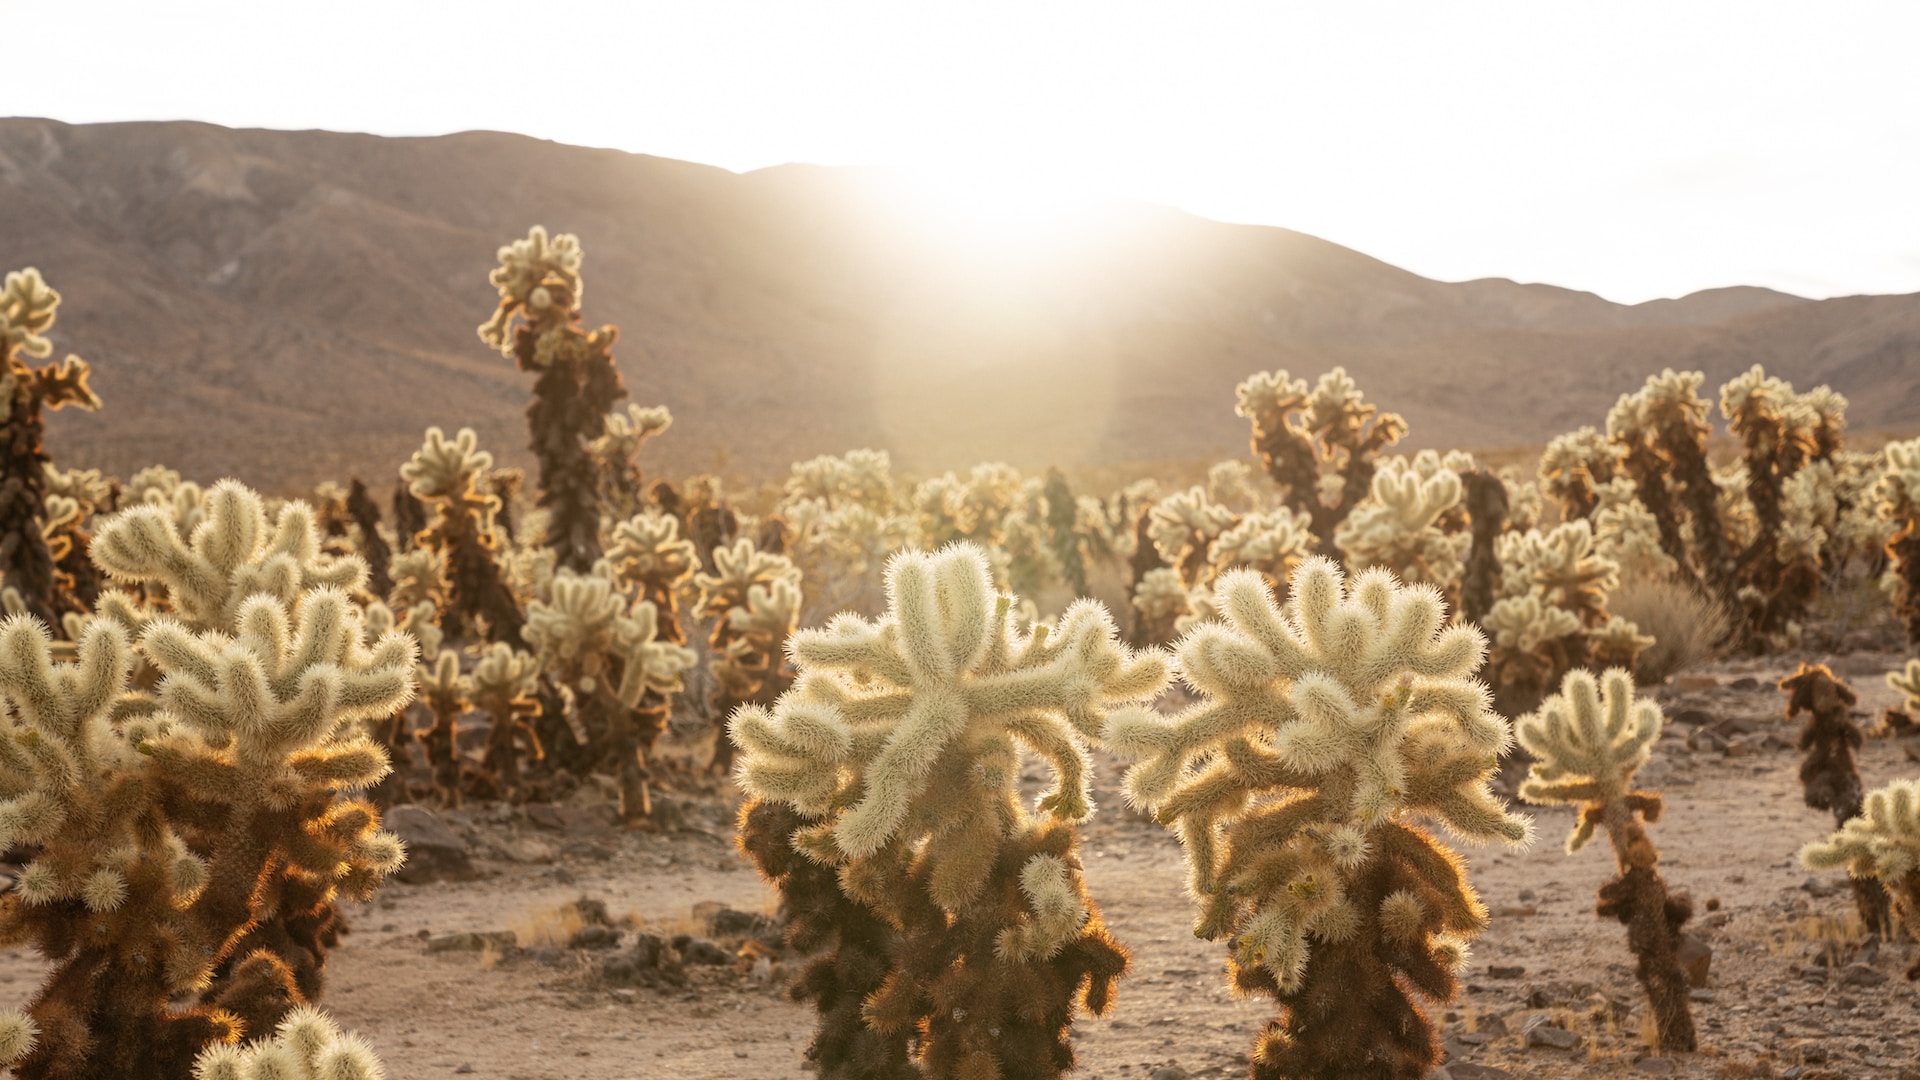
(1505,971)
(1861,975)
(1494,1024)
(435,852)
(1466,1070)
(1695,957)
(1549,1036)
(1744,682)
(527,850)
(501,940)
(595,938)
(465,1067)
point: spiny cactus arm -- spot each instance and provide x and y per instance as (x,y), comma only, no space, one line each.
(308,1045)
(1883,842)
(18,1036)
(650,664)
(1057,912)
(1906,683)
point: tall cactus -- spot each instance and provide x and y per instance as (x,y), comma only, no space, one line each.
(1326,733)
(27,310)
(538,325)
(1590,740)
(898,749)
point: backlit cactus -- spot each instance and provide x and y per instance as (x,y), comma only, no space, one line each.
(1882,843)
(1328,732)
(195,846)
(448,476)
(1898,495)
(27,310)
(603,647)
(538,325)
(753,598)
(899,748)
(1829,776)
(1589,740)
(1319,446)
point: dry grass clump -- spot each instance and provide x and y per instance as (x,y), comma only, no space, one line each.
(1689,627)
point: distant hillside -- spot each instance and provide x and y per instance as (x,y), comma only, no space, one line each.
(287,306)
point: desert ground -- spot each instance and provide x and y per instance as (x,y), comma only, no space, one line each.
(500,976)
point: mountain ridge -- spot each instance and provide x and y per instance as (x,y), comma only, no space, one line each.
(288,306)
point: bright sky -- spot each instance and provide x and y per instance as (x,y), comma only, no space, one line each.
(1634,149)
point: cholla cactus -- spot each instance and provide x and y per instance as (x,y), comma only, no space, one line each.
(1661,432)
(1319,446)
(1626,533)
(1883,843)
(1326,731)
(1779,572)
(1183,527)
(1898,494)
(753,598)
(197,847)
(603,647)
(502,685)
(1553,615)
(538,325)
(308,1045)
(1164,606)
(1574,467)
(1829,777)
(1397,527)
(1489,499)
(648,555)
(448,476)
(1274,543)
(27,310)
(899,748)
(368,541)
(617,453)
(1590,739)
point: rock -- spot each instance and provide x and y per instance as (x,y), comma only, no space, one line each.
(1695,957)
(1656,1066)
(1505,971)
(1705,738)
(434,851)
(1744,682)
(1861,975)
(722,921)
(1494,1024)
(527,850)
(1552,1037)
(695,950)
(594,938)
(500,940)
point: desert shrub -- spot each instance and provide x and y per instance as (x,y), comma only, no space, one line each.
(1688,627)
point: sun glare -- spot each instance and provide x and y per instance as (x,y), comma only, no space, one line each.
(1001,205)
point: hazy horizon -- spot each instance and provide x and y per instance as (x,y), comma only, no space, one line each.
(1637,152)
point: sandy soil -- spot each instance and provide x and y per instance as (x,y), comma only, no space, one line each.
(1734,820)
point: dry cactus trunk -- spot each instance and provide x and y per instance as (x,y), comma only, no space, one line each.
(853,949)
(1829,776)
(1653,917)
(373,547)
(1487,513)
